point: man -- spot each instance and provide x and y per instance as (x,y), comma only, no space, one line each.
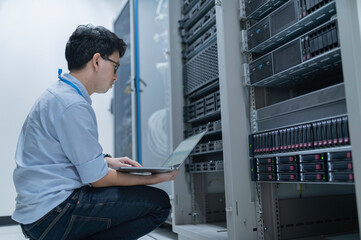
(66,188)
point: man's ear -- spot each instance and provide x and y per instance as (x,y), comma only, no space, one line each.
(95,61)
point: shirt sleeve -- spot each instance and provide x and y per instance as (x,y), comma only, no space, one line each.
(77,131)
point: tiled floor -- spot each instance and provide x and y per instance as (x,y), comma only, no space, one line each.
(162,233)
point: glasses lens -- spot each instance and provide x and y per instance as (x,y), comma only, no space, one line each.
(116,68)
(110,60)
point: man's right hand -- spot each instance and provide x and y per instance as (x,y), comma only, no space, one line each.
(165,177)
(115,163)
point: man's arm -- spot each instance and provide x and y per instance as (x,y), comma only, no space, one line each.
(115,178)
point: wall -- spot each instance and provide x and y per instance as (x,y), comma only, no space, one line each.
(33,34)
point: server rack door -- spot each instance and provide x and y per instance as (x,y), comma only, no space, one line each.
(122,102)
(154,84)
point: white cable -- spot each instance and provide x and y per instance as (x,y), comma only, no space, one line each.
(158,129)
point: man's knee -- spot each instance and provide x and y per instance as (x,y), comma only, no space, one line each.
(164,199)
(164,206)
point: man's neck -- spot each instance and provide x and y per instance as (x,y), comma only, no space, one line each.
(84,79)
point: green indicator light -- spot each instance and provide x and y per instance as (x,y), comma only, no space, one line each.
(251,169)
(324,178)
(250,145)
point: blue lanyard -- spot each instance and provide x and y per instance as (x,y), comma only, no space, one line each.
(68,82)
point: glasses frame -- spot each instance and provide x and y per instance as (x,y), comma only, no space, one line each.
(117,64)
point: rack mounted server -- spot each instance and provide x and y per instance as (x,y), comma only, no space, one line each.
(192,14)
(272,157)
(321,134)
(318,167)
(203,107)
(319,44)
(211,127)
(256,9)
(289,21)
(201,26)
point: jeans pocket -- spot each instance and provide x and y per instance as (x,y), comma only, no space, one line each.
(29,227)
(83,226)
(40,229)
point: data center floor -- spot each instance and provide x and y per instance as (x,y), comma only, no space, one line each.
(162,233)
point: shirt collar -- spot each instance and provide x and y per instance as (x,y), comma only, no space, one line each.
(79,85)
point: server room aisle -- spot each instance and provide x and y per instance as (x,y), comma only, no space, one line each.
(162,233)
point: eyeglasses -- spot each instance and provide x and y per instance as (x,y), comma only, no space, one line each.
(116,63)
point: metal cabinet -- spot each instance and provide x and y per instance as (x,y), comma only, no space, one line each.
(287,70)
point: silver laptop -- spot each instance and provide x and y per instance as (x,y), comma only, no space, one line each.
(174,161)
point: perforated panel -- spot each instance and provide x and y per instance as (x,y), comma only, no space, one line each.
(201,69)
(284,17)
(287,56)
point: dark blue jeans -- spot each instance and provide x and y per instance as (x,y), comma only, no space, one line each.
(103,213)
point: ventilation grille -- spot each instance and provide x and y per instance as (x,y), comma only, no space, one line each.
(201,69)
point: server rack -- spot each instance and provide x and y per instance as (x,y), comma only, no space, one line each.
(308,182)
(205,201)
(299,146)
(206,104)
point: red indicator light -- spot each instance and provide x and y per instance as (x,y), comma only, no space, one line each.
(349,165)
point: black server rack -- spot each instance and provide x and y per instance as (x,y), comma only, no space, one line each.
(202,105)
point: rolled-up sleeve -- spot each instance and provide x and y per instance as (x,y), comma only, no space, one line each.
(77,132)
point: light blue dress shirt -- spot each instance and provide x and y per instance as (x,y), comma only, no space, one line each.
(58,150)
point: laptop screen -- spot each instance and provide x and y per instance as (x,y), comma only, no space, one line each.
(183,150)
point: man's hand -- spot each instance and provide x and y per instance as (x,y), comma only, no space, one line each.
(115,163)
(115,178)
(164,177)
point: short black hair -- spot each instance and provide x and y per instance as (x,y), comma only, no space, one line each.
(87,40)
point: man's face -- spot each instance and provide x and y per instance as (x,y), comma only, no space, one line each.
(107,72)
